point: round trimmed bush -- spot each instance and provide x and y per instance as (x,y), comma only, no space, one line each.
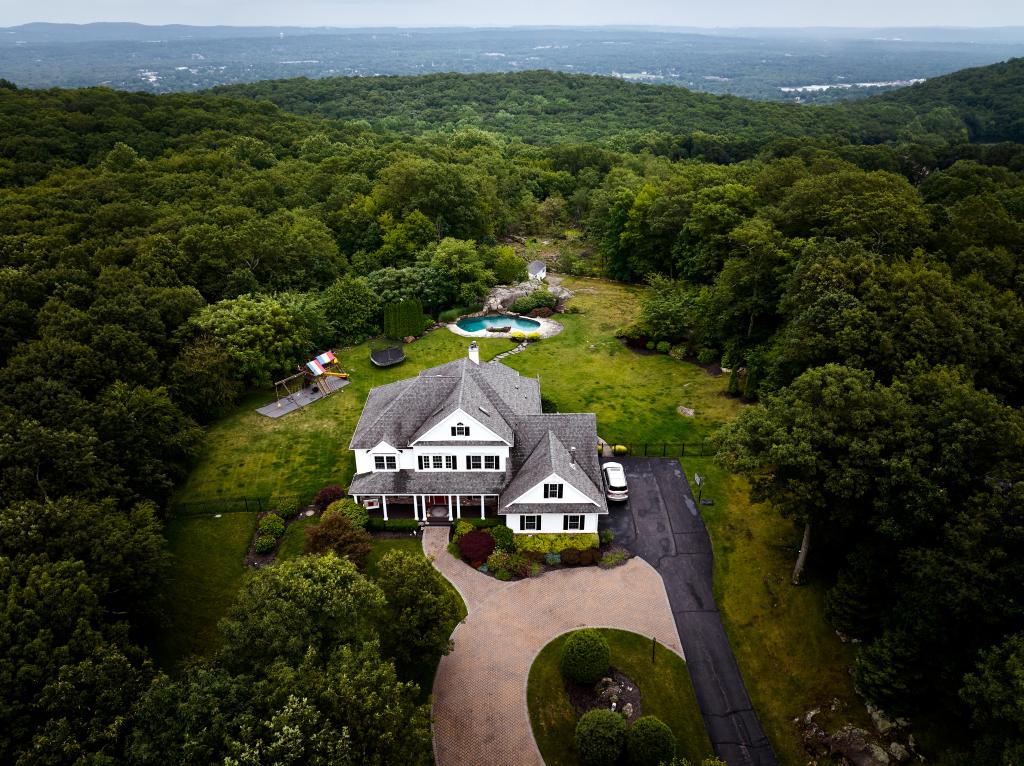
(286,507)
(265,544)
(272,525)
(649,741)
(585,656)
(504,538)
(476,546)
(663,347)
(360,516)
(600,736)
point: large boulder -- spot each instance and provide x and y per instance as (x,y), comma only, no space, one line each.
(855,746)
(560,292)
(503,296)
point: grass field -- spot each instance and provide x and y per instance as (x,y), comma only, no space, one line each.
(294,539)
(790,659)
(247,454)
(208,555)
(665,692)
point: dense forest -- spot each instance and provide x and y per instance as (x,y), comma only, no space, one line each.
(858,268)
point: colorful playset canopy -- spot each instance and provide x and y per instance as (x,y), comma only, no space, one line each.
(319,365)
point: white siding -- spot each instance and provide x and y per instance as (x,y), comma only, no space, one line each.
(478,431)
(536,494)
(552,523)
(407,458)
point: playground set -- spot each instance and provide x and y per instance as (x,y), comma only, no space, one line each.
(316,379)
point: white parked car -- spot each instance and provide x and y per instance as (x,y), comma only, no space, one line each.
(615,481)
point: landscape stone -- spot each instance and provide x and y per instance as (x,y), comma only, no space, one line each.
(899,753)
(855,746)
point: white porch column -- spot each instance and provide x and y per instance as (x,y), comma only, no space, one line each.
(384,505)
(416,507)
(449,507)
(355,498)
(458,506)
(482,509)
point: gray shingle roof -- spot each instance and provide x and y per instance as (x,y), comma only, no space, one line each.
(428,483)
(400,412)
(551,437)
(533,508)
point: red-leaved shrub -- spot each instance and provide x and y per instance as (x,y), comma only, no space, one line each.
(326,496)
(476,546)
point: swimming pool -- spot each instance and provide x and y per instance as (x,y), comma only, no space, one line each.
(476,324)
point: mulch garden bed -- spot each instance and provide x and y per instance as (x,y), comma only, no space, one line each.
(615,687)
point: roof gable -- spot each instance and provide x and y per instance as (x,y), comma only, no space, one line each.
(494,395)
(550,457)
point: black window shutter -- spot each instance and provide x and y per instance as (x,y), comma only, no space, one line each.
(565,523)
(522,523)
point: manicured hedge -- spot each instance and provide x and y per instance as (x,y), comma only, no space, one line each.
(404,318)
(585,656)
(600,736)
(394,525)
(272,525)
(504,538)
(649,741)
(579,541)
(265,544)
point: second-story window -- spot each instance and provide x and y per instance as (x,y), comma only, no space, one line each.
(437,462)
(385,463)
(492,463)
(460,429)
(552,491)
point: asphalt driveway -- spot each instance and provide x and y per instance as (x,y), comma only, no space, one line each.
(661,524)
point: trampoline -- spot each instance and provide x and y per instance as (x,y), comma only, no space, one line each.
(387,357)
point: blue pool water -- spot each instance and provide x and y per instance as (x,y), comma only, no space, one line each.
(475,324)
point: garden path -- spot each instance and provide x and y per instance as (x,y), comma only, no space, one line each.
(479,707)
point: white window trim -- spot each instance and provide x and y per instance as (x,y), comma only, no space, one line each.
(533,518)
(385,459)
(445,459)
(569,518)
(483,462)
(559,491)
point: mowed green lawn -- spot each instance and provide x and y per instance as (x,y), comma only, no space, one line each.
(791,660)
(207,570)
(665,692)
(249,455)
(635,396)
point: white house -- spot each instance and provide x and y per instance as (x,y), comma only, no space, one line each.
(470,439)
(537,270)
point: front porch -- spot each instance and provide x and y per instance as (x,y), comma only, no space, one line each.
(430,507)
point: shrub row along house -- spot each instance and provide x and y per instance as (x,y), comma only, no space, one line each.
(465,439)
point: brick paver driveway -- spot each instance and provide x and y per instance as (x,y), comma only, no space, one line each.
(480,713)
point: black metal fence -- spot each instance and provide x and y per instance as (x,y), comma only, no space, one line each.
(214,506)
(660,449)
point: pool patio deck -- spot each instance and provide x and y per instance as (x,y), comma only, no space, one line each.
(548,328)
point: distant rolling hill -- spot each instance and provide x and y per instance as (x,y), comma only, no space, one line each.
(989,100)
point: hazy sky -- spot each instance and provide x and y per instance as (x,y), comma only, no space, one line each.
(533,12)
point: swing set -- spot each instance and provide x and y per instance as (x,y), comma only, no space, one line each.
(314,380)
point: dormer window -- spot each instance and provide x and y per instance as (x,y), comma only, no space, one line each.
(553,491)
(385,463)
(460,429)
